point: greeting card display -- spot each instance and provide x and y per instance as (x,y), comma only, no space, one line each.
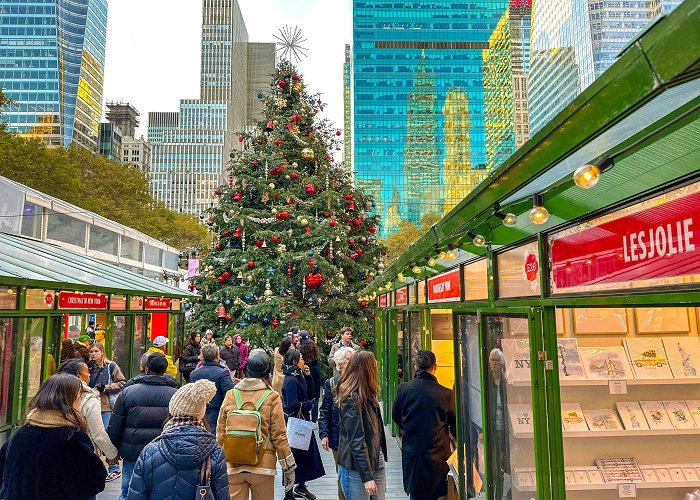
(605,363)
(662,473)
(520,418)
(683,356)
(632,415)
(570,366)
(602,420)
(656,415)
(679,414)
(649,474)
(694,408)
(648,358)
(619,470)
(572,417)
(517,354)
(690,473)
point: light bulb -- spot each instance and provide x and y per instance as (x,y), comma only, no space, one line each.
(587,176)
(539,215)
(431,262)
(510,220)
(479,240)
(442,256)
(417,269)
(451,254)
(400,277)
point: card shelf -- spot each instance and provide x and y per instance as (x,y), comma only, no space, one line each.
(613,486)
(607,434)
(633,381)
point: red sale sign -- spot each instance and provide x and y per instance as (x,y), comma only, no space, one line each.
(660,241)
(531,267)
(155,303)
(444,287)
(80,300)
(382,300)
(401,297)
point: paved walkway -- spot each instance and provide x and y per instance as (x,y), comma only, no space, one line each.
(324,488)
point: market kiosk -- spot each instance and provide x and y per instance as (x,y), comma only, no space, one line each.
(48,293)
(572,281)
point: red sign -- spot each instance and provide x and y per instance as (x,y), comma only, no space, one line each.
(444,287)
(382,300)
(661,241)
(48,298)
(531,267)
(401,297)
(80,300)
(157,303)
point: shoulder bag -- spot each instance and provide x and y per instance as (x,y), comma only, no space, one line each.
(204,485)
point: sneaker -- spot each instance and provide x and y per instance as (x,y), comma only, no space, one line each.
(113,475)
(303,493)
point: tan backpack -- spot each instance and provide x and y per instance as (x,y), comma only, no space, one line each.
(243,439)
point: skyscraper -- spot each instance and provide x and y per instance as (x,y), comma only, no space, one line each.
(124,116)
(347,108)
(52,57)
(191,147)
(402,52)
(574,42)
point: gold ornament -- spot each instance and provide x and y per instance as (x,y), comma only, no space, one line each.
(298,87)
(307,154)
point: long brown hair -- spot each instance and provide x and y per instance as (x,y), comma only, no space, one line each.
(359,379)
(308,351)
(58,393)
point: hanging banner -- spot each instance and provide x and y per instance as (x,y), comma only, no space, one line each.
(382,300)
(157,303)
(654,243)
(444,287)
(421,292)
(82,300)
(401,296)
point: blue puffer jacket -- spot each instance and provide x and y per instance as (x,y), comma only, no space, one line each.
(168,468)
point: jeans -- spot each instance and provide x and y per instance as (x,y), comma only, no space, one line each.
(105,422)
(127,472)
(354,487)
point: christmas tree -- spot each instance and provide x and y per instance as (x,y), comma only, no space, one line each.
(294,241)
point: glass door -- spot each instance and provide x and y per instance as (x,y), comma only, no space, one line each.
(402,325)
(508,412)
(140,342)
(119,350)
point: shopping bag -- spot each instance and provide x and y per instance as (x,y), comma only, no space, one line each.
(299,433)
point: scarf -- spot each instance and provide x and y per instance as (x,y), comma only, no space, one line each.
(183,420)
(48,419)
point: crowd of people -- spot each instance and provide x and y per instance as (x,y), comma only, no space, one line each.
(221,434)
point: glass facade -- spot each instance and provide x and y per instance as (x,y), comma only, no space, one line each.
(347,108)
(52,55)
(574,42)
(419,125)
(110,142)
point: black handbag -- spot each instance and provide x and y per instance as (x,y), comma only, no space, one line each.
(204,487)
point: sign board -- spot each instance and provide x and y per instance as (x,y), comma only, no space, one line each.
(382,300)
(518,272)
(475,280)
(654,243)
(444,287)
(82,300)
(421,292)
(401,296)
(157,303)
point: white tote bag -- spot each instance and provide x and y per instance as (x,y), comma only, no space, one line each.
(299,433)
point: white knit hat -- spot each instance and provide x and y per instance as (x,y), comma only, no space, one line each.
(191,400)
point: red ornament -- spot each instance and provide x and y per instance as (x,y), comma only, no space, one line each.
(277,142)
(356,222)
(337,132)
(219,247)
(240,138)
(363,304)
(358,251)
(371,315)
(276,239)
(228,317)
(230,180)
(333,223)
(217,191)
(329,334)
(251,264)
(351,206)
(259,243)
(221,279)
(281,83)
(270,126)
(309,134)
(289,271)
(353,256)
(293,175)
(226,275)
(260,141)
(275,196)
(237,233)
(363,343)
(307,230)
(314,280)
(348,197)
(351,242)
(226,233)
(191,287)
(310,189)
(254,163)
(297,78)
(275,323)
(237,196)
(284,215)
(371,229)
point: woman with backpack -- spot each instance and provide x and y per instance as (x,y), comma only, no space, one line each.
(185,458)
(297,401)
(252,471)
(108,380)
(190,356)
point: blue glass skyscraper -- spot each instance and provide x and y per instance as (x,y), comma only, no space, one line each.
(52,55)
(417,84)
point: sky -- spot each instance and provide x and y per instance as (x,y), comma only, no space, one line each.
(153,48)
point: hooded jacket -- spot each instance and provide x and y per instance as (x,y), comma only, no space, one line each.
(90,407)
(41,459)
(273,428)
(213,371)
(168,468)
(139,414)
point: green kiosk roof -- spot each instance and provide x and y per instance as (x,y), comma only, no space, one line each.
(28,262)
(643,112)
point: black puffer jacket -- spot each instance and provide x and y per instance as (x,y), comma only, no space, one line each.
(139,414)
(329,416)
(190,357)
(232,356)
(361,438)
(169,467)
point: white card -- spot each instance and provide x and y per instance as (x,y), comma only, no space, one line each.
(570,366)
(694,408)
(572,417)
(517,354)
(605,363)
(679,415)
(520,418)
(632,415)
(656,415)
(602,420)
(648,358)
(683,356)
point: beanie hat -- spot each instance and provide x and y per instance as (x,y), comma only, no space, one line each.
(156,363)
(191,400)
(258,365)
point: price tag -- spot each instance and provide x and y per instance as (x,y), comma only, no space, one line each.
(627,490)
(617,386)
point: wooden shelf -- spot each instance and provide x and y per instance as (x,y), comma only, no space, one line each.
(634,381)
(607,434)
